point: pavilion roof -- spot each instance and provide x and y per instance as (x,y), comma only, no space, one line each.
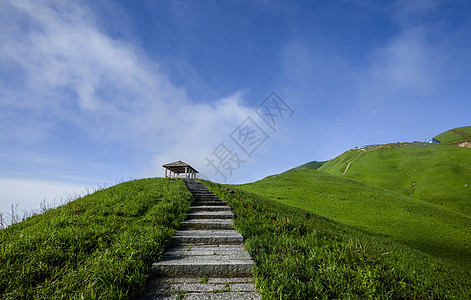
(179,167)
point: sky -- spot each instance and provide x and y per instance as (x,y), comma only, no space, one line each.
(94,93)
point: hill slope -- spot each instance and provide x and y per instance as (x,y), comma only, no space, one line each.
(100,246)
(313,165)
(439,174)
(301,255)
(453,136)
(430,228)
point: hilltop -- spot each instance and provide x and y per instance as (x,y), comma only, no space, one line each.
(459,136)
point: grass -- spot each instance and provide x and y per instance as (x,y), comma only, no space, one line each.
(456,135)
(99,246)
(429,228)
(313,165)
(439,174)
(301,255)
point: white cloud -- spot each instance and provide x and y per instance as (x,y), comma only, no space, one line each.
(66,68)
(408,62)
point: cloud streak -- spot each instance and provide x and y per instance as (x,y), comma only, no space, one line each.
(73,72)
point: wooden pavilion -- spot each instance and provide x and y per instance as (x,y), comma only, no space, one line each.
(179,167)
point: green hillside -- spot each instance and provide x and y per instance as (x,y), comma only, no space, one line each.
(313,165)
(100,246)
(456,135)
(439,174)
(430,228)
(303,255)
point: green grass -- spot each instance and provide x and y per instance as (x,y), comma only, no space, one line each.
(439,174)
(430,228)
(99,246)
(313,165)
(456,135)
(301,255)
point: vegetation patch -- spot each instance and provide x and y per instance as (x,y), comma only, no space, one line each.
(416,223)
(301,255)
(453,136)
(439,174)
(99,246)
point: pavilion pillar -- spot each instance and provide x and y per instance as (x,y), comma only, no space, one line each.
(165,172)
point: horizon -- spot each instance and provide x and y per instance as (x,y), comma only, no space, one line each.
(93,94)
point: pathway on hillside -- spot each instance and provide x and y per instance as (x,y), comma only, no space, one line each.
(348,166)
(209,260)
(461,133)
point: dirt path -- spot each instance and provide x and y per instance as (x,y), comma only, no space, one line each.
(346,169)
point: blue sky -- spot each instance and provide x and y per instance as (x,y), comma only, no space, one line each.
(98,93)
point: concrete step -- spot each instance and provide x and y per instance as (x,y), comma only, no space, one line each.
(190,266)
(210,215)
(208,250)
(210,202)
(206,199)
(207,224)
(196,198)
(210,208)
(207,237)
(200,288)
(197,279)
(217,295)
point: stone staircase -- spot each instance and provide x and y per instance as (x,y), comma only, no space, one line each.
(208,260)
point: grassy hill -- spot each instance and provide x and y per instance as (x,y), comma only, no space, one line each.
(461,134)
(99,246)
(439,174)
(102,245)
(430,228)
(412,194)
(389,221)
(303,255)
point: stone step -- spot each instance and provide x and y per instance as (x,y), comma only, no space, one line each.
(210,208)
(211,266)
(205,198)
(197,279)
(206,259)
(207,250)
(203,296)
(210,202)
(210,215)
(203,284)
(207,237)
(194,288)
(207,224)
